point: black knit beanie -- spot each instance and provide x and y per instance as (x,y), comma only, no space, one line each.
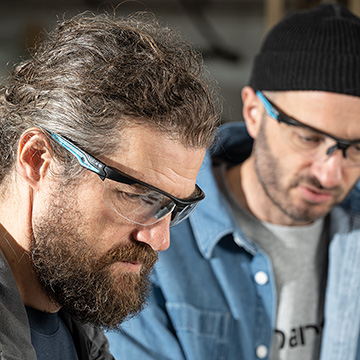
(316,49)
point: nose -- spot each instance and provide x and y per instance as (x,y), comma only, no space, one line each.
(156,235)
(328,170)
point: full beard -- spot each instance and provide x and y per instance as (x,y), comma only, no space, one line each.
(82,283)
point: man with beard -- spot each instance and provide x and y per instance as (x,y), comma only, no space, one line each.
(103,131)
(268,267)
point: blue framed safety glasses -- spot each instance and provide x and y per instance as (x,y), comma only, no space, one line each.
(131,198)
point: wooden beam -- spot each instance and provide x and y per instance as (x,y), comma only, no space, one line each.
(274,11)
(354,6)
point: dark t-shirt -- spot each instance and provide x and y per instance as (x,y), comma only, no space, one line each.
(50,337)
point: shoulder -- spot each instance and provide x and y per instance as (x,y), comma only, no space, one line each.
(233,143)
(15,341)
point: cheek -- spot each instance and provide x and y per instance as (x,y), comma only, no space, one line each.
(103,227)
(275,155)
(291,162)
(106,229)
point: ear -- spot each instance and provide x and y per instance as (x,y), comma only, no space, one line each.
(252,111)
(33,156)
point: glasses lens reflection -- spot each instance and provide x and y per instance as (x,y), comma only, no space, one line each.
(136,202)
(142,205)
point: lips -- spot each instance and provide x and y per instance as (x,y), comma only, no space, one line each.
(315,195)
(131,266)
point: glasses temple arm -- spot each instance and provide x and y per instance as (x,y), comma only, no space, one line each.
(85,160)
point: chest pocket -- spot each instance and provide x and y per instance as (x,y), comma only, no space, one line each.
(203,334)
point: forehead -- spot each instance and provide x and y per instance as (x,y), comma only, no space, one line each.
(336,114)
(155,158)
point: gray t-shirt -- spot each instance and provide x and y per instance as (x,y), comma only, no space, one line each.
(299,259)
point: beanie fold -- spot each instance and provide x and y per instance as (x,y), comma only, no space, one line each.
(315,49)
(303,71)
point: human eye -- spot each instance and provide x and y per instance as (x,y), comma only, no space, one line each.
(310,139)
(132,196)
(306,138)
(146,198)
(127,196)
(356,147)
(354,151)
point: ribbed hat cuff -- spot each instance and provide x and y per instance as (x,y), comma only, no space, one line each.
(304,71)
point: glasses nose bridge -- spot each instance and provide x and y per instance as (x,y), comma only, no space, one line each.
(338,146)
(165,210)
(326,155)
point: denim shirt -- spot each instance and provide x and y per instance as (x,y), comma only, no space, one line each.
(209,303)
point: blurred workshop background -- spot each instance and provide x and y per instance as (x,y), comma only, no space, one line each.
(227,32)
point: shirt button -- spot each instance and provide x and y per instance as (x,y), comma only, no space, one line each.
(261,278)
(261,351)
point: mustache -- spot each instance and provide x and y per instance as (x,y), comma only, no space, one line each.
(134,253)
(313,181)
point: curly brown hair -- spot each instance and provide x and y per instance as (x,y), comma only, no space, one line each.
(94,74)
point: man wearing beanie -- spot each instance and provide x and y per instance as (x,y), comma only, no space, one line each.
(268,266)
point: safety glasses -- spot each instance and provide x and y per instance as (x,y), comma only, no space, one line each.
(312,142)
(131,198)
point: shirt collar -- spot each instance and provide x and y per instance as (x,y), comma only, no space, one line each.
(210,221)
(213,219)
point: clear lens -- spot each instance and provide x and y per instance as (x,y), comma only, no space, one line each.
(315,144)
(136,202)
(179,215)
(142,205)
(353,154)
(303,139)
